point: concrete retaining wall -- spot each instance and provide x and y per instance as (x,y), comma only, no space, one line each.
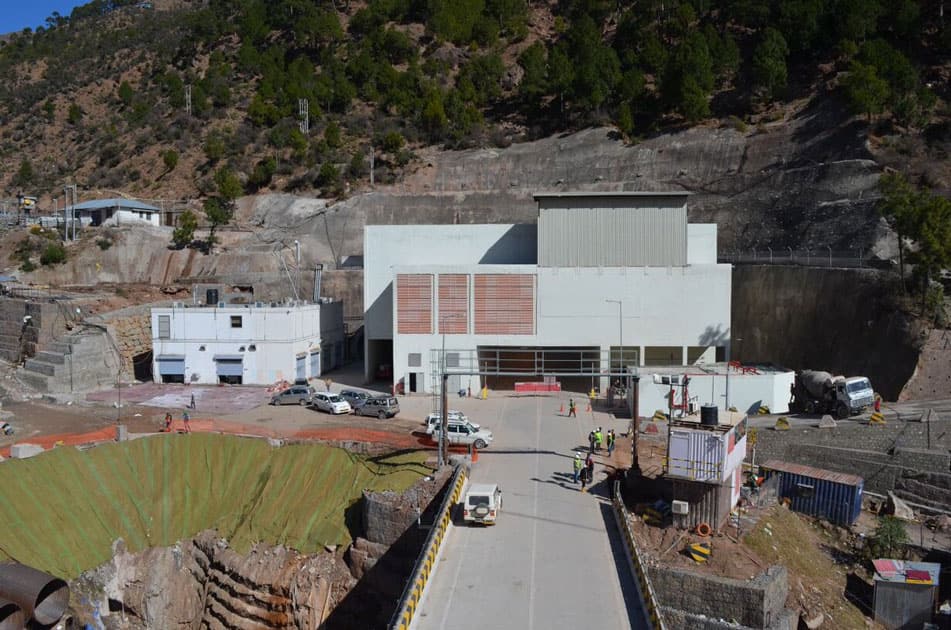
(757,603)
(911,458)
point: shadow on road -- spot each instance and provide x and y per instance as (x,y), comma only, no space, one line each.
(632,599)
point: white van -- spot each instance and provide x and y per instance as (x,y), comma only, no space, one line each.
(482,503)
(454,417)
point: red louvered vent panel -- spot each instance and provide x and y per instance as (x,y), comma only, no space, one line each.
(505,304)
(453,303)
(414,303)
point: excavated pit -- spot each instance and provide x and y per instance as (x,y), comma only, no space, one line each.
(221,532)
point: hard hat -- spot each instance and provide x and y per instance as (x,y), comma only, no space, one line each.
(577,455)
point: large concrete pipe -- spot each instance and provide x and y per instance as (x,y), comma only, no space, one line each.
(11,616)
(41,596)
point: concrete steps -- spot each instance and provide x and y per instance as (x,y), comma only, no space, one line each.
(75,362)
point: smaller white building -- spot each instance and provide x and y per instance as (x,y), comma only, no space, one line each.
(117,212)
(748,387)
(253,344)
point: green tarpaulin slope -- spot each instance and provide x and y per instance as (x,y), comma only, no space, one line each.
(61,511)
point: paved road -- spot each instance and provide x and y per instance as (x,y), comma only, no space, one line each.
(555,558)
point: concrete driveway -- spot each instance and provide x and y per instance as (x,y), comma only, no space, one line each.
(555,559)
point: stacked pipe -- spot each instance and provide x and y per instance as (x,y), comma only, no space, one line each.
(27,594)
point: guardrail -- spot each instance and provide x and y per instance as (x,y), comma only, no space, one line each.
(413,592)
(651,607)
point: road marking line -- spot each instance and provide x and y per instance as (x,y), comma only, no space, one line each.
(531,579)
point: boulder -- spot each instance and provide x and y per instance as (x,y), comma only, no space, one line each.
(899,508)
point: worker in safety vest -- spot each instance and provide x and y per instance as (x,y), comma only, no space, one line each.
(578,464)
(598,439)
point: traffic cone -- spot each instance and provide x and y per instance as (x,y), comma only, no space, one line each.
(562,410)
(589,407)
(475,454)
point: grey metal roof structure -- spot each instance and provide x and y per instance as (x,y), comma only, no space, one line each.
(619,193)
(128,204)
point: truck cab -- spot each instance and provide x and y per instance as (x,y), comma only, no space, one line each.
(856,393)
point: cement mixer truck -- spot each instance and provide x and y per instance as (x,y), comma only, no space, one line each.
(820,392)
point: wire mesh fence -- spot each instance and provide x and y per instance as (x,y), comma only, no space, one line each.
(818,257)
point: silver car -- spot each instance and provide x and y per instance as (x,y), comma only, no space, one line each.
(295,395)
(382,407)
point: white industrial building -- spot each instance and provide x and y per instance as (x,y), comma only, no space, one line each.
(258,344)
(600,272)
(116,212)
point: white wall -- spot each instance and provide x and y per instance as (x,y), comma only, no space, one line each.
(747,391)
(131,217)
(684,306)
(701,243)
(278,334)
(386,246)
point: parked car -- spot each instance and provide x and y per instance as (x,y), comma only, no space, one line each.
(294,395)
(482,503)
(355,398)
(454,416)
(465,435)
(331,403)
(382,407)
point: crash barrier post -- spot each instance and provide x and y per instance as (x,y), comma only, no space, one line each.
(642,580)
(425,562)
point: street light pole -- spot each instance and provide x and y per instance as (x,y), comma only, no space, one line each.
(620,325)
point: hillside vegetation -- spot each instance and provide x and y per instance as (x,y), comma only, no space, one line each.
(101,97)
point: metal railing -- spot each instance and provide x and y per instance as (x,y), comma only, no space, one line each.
(646,591)
(425,562)
(818,257)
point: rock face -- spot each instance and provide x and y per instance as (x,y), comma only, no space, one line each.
(204,583)
(204,580)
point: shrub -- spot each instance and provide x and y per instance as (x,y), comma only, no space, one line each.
(54,254)
(103,243)
(27,266)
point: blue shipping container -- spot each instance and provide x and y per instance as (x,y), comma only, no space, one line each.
(835,497)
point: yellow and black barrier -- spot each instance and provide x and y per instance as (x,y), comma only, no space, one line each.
(416,585)
(659,416)
(645,590)
(700,552)
(782,424)
(877,417)
(763,410)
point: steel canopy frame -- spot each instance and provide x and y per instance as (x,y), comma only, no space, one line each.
(591,356)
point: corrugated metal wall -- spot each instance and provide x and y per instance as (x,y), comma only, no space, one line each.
(414,303)
(617,233)
(453,303)
(504,304)
(903,605)
(710,503)
(835,502)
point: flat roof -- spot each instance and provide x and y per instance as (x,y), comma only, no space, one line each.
(904,572)
(620,193)
(128,204)
(813,473)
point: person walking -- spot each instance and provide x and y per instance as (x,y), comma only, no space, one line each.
(589,468)
(578,465)
(185,419)
(584,479)
(611,438)
(191,405)
(598,439)
(572,411)
(168,422)
(591,442)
